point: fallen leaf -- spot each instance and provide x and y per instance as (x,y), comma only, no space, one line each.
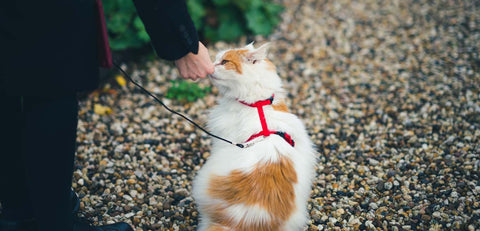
(101,110)
(120,80)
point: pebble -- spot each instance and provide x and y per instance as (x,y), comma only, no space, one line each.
(388,185)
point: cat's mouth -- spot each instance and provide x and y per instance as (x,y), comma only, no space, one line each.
(212,76)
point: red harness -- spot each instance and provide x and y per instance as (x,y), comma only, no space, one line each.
(265,131)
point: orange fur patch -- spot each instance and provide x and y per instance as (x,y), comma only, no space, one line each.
(216,227)
(235,58)
(280,107)
(269,185)
(270,65)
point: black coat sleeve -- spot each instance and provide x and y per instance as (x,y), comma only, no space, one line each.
(169,26)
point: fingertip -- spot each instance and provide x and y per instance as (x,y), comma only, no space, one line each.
(211,70)
(186,76)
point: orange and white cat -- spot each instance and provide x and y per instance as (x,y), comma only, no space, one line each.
(266,185)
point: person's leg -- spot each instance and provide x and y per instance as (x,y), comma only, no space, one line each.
(36,164)
(14,194)
(49,134)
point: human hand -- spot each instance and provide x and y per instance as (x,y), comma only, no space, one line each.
(194,66)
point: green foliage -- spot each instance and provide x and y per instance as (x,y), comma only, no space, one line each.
(230,19)
(197,12)
(214,19)
(125,28)
(183,90)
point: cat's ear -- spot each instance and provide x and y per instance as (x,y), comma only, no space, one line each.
(250,46)
(259,53)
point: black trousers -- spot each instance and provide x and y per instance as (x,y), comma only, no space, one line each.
(37,147)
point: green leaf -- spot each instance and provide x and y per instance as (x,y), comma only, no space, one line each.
(258,22)
(211,33)
(273,9)
(221,2)
(230,30)
(273,12)
(184,90)
(141,32)
(245,5)
(197,12)
(231,24)
(117,23)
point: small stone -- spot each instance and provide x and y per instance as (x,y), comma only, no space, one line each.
(426,217)
(454,194)
(388,185)
(206,155)
(340,211)
(103,163)
(373,162)
(391,173)
(168,203)
(332,220)
(133,193)
(127,197)
(380,186)
(138,173)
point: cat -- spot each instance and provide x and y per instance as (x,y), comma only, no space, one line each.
(266,185)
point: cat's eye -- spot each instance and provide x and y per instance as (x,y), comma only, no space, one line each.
(224,62)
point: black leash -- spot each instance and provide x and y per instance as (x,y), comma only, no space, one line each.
(172,111)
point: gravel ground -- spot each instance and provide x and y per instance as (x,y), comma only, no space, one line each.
(390,94)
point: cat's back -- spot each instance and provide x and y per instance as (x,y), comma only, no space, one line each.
(238,123)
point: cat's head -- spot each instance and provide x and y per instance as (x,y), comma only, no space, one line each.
(246,74)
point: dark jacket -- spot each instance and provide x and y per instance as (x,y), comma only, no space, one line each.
(49,47)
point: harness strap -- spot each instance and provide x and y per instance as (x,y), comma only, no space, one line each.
(265,131)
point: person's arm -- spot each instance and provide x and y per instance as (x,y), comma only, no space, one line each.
(174,36)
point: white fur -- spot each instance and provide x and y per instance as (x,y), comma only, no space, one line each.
(248,213)
(237,122)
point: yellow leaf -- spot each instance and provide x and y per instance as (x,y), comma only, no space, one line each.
(101,110)
(120,80)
